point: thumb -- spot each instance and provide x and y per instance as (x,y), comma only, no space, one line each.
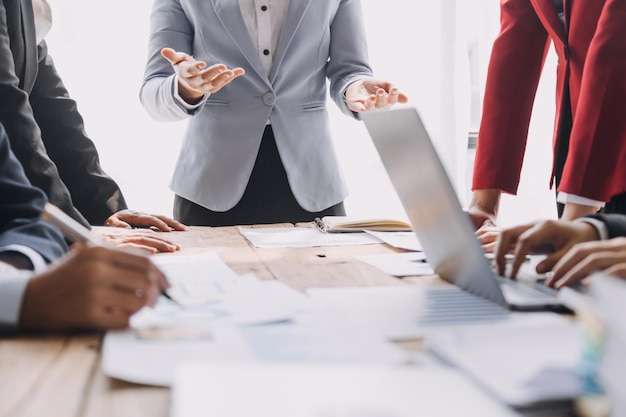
(113,221)
(173,56)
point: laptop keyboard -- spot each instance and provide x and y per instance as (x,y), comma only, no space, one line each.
(516,292)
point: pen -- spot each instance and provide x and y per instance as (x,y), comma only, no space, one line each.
(319,224)
(76,232)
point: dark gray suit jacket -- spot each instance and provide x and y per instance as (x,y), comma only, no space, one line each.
(615,223)
(45,128)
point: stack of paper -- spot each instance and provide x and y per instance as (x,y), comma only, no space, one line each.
(607,344)
(533,359)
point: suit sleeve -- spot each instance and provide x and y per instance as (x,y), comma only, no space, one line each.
(615,223)
(595,163)
(513,74)
(94,193)
(348,51)
(20,209)
(17,116)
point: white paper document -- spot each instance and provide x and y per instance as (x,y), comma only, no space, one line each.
(195,278)
(400,240)
(400,264)
(403,312)
(299,237)
(531,360)
(297,390)
(242,302)
(605,328)
(154,362)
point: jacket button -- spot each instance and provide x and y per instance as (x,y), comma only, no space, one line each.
(269,98)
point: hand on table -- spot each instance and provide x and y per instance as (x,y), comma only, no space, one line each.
(484,222)
(551,237)
(130,218)
(585,258)
(145,240)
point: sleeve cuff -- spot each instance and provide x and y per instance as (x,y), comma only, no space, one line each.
(39,263)
(12,288)
(600,227)
(564,198)
(182,102)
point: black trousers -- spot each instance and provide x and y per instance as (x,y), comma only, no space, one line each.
(617,204)
(267,199)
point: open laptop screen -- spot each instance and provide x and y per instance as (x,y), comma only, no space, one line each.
(430,201)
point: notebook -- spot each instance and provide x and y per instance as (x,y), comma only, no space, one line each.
(433,209)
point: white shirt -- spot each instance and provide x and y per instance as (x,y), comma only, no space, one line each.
(265,20)
(572,198)
(43,19)
(13,285)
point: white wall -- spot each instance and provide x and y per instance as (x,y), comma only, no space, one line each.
(100,49)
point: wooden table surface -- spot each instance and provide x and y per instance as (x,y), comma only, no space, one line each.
(60,375)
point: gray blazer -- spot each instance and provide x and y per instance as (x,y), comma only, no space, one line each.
(321,39)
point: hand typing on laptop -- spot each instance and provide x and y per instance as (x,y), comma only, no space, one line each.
(573,249)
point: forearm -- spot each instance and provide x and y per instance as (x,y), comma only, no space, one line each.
(486,200)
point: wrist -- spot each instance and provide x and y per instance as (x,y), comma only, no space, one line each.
(17,260)
(486,201)
(573,211)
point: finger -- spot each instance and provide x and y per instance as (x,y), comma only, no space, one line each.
(508,239)
(118,259)
(594,262)
(550,261)
(147,220)
(574,256)
(489,247)
(172,224)
(144,249)
(357,106)
(370,102)
(216,83)
(192,72)
(618,270)
(174,57)
(127,300)
(529,238)
(114,221)
(488,236)
(160,245)
(392,97)
(381,98)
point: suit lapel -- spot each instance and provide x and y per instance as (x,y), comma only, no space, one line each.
(548,16)
(30,44)
(229,13)
(295,13)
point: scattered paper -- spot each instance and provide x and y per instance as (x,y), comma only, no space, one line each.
(400,240)
(523,362)
(400,264)
(305,390)
(403,312)
(299,237)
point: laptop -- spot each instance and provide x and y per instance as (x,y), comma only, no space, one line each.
(444,230)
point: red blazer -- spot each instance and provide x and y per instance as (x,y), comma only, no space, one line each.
(593,63)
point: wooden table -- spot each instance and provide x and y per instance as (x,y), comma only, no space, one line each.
(60,375)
